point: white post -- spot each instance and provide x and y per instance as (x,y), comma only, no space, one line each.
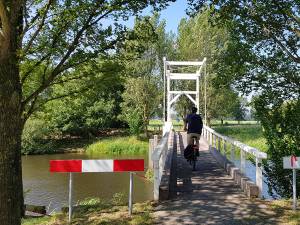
(70,196)
(198,94)
(164,110)
(155,141)
(156,179)
(294,190)
(205,103)
(232,153)
(259,180)
(151,148)
(243,161)
(219,144)
(130,193)
(224,146)
(169,98)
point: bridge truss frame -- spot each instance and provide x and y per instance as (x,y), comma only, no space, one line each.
(171,97)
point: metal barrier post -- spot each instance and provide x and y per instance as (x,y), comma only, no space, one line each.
(130,193)
(294,190)
(70,196)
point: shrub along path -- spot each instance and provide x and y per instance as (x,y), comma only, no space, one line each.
(209,196)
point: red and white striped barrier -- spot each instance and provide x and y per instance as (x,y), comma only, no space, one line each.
(107,165)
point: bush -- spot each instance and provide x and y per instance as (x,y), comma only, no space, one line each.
(34,139)
(281,123)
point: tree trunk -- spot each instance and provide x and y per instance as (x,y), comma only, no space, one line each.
(11,123)
(11,126)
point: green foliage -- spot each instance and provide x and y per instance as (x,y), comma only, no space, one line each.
(140,98)
(197,39)
(34,138)
(119,199)
(97,106)
(281,125)
(119,145)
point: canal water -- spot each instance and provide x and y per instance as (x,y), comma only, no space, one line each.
(51,189)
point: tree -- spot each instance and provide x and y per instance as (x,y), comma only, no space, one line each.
(265,59)
(282,130)
(143,56)
(60,35)
(140,100)
(239,110)
(198,39)
(265,56)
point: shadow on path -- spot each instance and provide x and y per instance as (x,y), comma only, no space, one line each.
(208,195)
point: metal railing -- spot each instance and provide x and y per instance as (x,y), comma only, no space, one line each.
(159,158)
(214,139)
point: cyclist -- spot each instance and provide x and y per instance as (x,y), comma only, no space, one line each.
(193,125)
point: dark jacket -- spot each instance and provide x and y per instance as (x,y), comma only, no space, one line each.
(194,123)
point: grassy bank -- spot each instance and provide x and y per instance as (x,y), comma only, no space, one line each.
(249,134)
(283,208)
(97,211)
(119,145)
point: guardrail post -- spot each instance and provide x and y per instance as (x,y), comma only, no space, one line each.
(259,180)
(151,148)
(219,144)
(243,161)
(224,146)
(232,153)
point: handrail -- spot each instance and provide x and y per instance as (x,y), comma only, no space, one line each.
(159,156)
(212,136)
(244,147)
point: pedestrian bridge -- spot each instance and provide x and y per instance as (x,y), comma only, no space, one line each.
(218,192)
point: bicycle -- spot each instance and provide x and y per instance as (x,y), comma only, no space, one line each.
(195,153)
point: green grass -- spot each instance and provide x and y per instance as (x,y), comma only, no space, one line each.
(233,122)
(119,145)
(156,125)
(249,134)
(98,211)
(35,221)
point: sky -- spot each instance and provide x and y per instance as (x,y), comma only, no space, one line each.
(172,14)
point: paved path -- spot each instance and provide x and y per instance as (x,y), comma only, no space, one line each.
(208,195)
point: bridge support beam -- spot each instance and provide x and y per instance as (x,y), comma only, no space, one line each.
(172,71)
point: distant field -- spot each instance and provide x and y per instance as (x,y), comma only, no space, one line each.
(156,125)
(249,134)
(233,122)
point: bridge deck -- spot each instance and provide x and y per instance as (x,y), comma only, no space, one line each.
(208,195)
